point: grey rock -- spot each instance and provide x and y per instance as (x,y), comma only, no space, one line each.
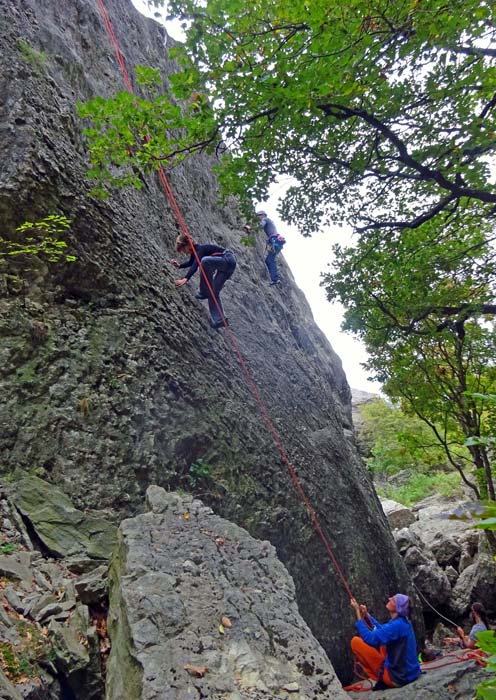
(433,519)
(16,567)
(466,559)
(451,574)
(415,557)
(164,618)
(13,599)
(405,538)
(50,610)
(399,516)
(475,583)
(93,587)
(62,528)
(446,550)
(40,603)
(77,655)
(433,583)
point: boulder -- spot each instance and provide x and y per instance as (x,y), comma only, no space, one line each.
(475,583)
(433,519)
(93,587)
(398,516)
(446,550)
(198,608)
(76,655)
(405,538)
(62,529)
(432,583)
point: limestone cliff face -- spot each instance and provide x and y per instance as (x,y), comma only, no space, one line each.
(113,380)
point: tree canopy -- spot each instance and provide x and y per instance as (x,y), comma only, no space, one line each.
(381,113)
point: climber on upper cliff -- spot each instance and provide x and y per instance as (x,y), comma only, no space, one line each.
(275,243)
(387,653)
(218,265)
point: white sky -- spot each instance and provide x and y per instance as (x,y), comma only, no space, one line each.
(308,257)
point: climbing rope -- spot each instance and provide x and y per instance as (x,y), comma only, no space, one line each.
(433,608)
(453,657)
(366,684)
(251,383)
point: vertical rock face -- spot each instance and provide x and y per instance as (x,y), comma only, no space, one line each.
(112,378)
(198,608)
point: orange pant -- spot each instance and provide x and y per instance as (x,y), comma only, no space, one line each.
(371,660)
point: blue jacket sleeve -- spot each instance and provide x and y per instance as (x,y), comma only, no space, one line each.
(381,634)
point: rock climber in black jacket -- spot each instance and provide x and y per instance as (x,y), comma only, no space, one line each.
(218,265)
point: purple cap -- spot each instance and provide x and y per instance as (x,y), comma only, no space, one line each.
(402,604)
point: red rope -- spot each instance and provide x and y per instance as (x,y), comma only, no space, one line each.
(467,655)
(254,389)
(364,686)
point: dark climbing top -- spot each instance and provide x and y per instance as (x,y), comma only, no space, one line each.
(202,250)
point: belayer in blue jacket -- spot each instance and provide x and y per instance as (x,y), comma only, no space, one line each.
(387,653)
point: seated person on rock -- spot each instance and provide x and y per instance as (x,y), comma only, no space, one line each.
(218,265)
(481,624)
(387,653)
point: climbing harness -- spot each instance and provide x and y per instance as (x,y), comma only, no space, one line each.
(251,383)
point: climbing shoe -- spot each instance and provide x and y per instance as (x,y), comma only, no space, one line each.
(200,296)
(275,284)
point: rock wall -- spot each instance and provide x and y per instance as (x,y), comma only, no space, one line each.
(113,380)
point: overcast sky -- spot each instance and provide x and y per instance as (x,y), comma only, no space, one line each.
(308,258)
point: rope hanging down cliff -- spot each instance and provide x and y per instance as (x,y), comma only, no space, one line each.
(251,383)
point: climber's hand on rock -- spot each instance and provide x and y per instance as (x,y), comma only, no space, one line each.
(174,262)
(181,282)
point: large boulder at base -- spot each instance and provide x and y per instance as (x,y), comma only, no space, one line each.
(199,609)
(62,529)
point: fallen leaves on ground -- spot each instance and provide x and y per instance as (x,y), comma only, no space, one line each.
(197,671)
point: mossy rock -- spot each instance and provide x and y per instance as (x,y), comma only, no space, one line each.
(61,528)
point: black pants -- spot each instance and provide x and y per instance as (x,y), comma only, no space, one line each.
(218,269)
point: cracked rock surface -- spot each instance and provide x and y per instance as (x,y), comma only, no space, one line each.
(199,609)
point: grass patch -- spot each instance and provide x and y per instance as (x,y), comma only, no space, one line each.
(7,547)
(422,485)
(19,662)
(36,59)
